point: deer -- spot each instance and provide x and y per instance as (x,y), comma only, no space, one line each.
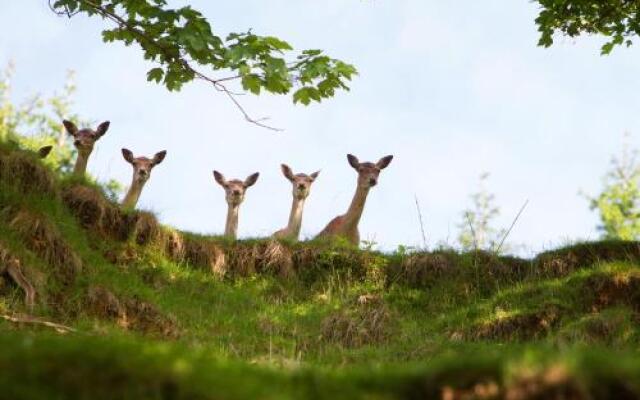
(142,167)
(43,152)
(301,189)
(346,225)
(12,267)
(234,194)
(83,141)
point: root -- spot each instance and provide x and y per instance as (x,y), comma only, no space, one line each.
(13,268)
(28,319)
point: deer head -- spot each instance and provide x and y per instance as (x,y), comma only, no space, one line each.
(84,139)
(142,166)
(368,172)
(43,152)
(235,188)
(301,182)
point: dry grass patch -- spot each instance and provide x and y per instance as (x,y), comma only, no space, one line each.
(131,314)
(44,239)
(562,262)
(98,214)
(278,259)
(22,170)
(362,323)
(554,382)
(147,229)
(423,269)
(204,254)
(604,290)
(526,326)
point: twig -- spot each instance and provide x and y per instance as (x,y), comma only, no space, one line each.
(424,236)
(475,246)
(512,225)
(473,232)
(122,23)
(61,13)
(28,319)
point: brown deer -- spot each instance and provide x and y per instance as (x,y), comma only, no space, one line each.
(84,140)
(346,225)
(234,194)
(142,167)
(43,152)
(301,188)
(11,266)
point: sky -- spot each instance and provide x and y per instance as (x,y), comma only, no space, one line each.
(451,89)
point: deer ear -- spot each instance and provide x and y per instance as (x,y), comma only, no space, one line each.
(315,175)
(128,155)
(251,179)
(353,161)
(157,159)
(71,128)
(286,171)
(384,162)
(102,129)
(44,151)
(219,178)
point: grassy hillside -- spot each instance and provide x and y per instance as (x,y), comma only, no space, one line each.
(145,311)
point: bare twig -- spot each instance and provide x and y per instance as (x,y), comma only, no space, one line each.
(217,83)
(66,12)
(424,236)
(473,231)
(512,225)
(28,319)
(475,246)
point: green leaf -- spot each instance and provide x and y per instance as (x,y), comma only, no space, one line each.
(252,83)
(305,95)
(155,74)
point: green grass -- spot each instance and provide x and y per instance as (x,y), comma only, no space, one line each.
(315,320)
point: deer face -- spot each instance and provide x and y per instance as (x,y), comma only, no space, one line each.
(301,182)
(142,166)
(368,172)
(84,139)
(235,188)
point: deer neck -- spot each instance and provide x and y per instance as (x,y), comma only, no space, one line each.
(231,227)
(81,163)
(131,199)
(352,217)
(295,217)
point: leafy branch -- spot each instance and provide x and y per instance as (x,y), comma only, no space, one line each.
(180,39)
(618,20)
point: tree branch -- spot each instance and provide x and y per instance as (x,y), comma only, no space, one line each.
(217,83)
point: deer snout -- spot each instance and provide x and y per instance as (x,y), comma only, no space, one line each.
(236,192)
(77,143)
(373,181)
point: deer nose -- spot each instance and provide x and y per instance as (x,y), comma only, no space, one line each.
(372,181)
(236,192)
(143,172)
(300,186)
(76,143)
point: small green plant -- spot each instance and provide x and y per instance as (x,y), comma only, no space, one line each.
(618,204)
(476,229)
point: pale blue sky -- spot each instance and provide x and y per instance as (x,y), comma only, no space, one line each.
(452,89)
